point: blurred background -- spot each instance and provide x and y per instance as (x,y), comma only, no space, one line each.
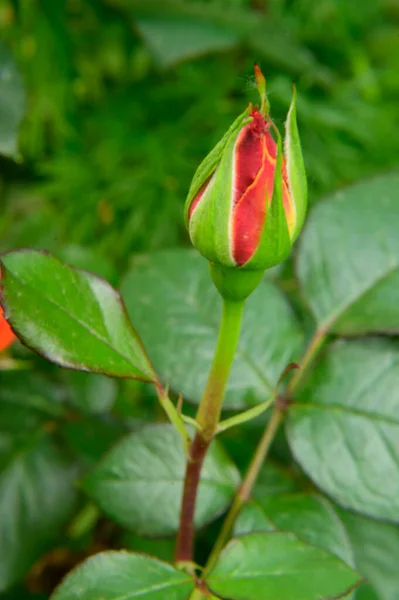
(125,97)
(117,102)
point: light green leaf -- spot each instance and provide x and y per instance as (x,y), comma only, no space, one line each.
(139,483)
(252,518)
(124,576)
(72,317)
(177,310)
(88,258)
(376,547)
(313,519)
(344,428)
(12,103)
(348,262)
(36,482)
(278,565)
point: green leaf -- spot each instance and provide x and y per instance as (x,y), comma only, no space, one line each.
(12,103)
(91,437)
(278,565)
(252,518)
(175,39)
(72,317)
(348,262)
(312,518)
(21,592)
(177,309)
(344,428)
(36,484)
(274,479)
(89,259)
(139,483)
(366,592)
(29,390)
(124,576)
(216,26)
(376,547)
(159,548)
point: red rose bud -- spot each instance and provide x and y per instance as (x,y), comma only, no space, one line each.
(247,201)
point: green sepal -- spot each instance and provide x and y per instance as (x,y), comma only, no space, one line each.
(275,243)
(211,161)
(297,183)
(233,283)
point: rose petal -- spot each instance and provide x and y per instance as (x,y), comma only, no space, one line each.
(254,177)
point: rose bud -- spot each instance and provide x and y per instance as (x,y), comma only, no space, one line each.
(247,201)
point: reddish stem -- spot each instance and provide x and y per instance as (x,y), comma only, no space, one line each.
(185,537)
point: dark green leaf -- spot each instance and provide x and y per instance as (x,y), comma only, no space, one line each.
(124,576)
(90,437)
(172,40)
(12,103)
(366,592)
(376,547)
(139,483)
(21,592)
(160,548)
(348,262)
(30,390)
(279,566)
(36,486)
(72,317)
(177,309)
(344,429)
(212,28)
(274,479)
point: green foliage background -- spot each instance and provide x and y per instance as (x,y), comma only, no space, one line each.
(123,99)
